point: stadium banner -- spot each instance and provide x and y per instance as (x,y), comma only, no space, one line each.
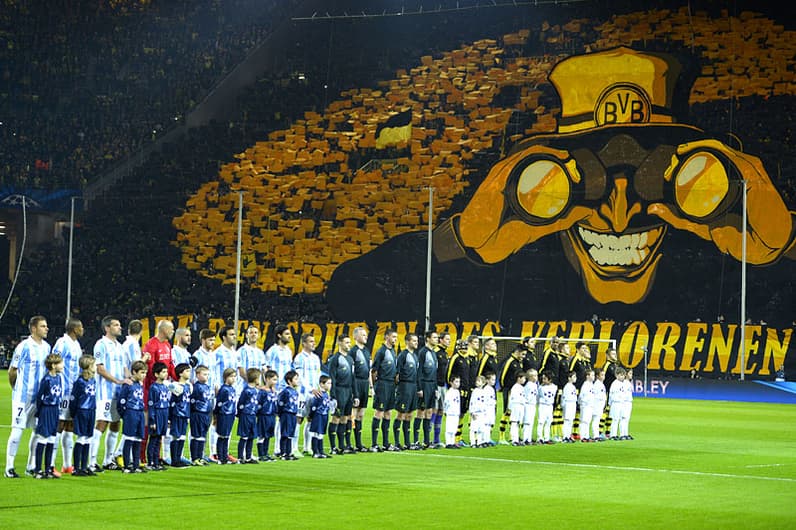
(714,389)
(711,350)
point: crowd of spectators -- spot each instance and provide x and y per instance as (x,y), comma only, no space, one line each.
(85,84)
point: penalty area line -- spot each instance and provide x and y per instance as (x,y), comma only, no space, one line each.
(608,467)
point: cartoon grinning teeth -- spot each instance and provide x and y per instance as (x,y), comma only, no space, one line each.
(624,250)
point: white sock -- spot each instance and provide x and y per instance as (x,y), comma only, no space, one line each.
(95,441)
(67,447)
(566,429)
(527,432)
(167,446)
(614,426)
(212,438)
(110,446)
(307,437)
(514,431)
(277,437)
(12,446)
(32,452)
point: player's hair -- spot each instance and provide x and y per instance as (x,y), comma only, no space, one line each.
(306,336)
(201,368)
(598,371)
(222,332)
(389,331)
(106,322)
(180,332)
(180,368)
(480,381)
(356,330)
(548,375)
(138,366)
(72,324)
(34,321)
(620,371)
(490,339)
(455,377)
(430,333)
(135,327)
(52,360)
(342,338)
(279,329)
(159,367)
(205,334)
(531,371)
(270,373)
(589,371)
(521,375)
(471,339)
(253,375)
(409,336)
(443,335)
(323,379)
(489,374)
(86,361)
(162,324)
(526,340)
(290,375)
(610,350)
(228,372)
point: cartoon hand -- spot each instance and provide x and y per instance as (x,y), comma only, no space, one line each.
(490,228)
(702,187)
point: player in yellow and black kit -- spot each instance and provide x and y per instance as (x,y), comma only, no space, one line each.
(610,366)
(459,366)
(507,377)
(579,363)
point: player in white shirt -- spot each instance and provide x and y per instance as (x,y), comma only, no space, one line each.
(586,403)
(517,407)
(616,402)
(547,399)
(308,366)
(112,371)
(227,357)
(569,406)
(25,373)
(529,408)
(70,350)
(598,403)
(478,412)
(132,343)
(279,358)
(251,356)
(452,412)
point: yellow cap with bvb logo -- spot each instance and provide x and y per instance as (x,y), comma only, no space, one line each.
(615,87)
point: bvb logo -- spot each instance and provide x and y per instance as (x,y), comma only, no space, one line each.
(622,103)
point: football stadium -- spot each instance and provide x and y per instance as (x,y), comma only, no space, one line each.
(397,264)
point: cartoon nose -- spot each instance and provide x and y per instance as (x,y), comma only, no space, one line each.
(618,210)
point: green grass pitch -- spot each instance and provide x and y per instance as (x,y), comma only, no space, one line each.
(693,464)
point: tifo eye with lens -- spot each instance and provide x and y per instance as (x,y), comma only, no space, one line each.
(701,184)
(543,189)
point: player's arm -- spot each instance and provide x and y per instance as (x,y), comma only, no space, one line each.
(12,376)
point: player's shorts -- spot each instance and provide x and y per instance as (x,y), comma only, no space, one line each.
(429,398)
(84,421)
(545,414)
(23,415)
(318,424)
(158,421)
(439,402)
(361,391)
(517,414)
(384,395)
(529,414)
(47,423)
(247,426)
(406,397)
(178,426)
(224,424)
(200,423)
(266,423)
(465,402)
(287,424)
(345,401)
(107,411)
(63,410)
(133,424)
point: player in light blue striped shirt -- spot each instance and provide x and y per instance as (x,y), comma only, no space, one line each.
(250,355)
(308,366)
(179,352)
(112,371)
(132,343)
(25,372)
(70,350)
(227,357)
(279,358)
(205,356)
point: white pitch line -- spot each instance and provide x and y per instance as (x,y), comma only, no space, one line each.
(617,468)
(767,465)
